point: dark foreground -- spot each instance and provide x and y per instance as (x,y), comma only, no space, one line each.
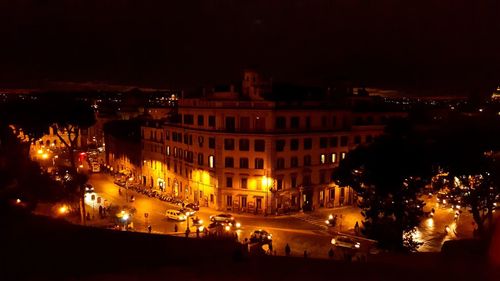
(38,248)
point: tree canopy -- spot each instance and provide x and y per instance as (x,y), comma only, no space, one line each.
(388,175)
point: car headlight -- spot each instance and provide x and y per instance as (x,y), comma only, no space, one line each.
(357,245)
(238,225)
(269,237)
(327,222)
(227,228)
(333,241)
(330,217)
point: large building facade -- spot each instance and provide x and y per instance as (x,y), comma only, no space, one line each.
(243,153)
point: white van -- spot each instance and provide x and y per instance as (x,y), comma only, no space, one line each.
(176,215)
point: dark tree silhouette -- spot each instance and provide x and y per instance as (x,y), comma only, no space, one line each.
(388,175)
(21,177)
(467,148)
(65,115)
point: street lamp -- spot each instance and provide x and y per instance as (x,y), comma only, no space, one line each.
(301,191)
(63,210)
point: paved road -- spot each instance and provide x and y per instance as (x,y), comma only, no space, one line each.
(432,230)
(301,231)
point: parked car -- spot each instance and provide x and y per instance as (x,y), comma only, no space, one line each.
(262,236)
(345,242)
(175,215)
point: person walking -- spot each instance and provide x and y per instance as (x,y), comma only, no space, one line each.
(356,228)
(149,228)
(287,250)
(100,211)
(175,228)
(187,232)
(305,254)
(197,232)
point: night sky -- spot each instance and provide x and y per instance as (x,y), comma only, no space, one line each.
(446,46)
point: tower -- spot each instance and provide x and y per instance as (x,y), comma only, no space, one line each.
(252,85)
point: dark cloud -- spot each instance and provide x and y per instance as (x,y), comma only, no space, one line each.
(446,44)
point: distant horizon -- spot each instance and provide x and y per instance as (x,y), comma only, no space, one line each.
(68,86)
(446,47)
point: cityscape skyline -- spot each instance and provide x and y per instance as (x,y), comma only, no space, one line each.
(250,140)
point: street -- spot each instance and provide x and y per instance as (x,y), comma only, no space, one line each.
(302,231)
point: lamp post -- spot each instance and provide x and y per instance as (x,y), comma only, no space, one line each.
(273,190)
(301,190)
(130,179)
(92,197)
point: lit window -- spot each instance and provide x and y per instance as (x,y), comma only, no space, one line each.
(343,155)
(323,159)
(211,161)
(334,157)
(168,150)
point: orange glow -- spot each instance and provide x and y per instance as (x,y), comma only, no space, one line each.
(63,210)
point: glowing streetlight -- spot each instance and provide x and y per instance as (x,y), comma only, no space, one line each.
(18,201)
(45,156)
(63,210)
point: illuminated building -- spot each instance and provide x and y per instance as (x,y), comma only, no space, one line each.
(244,152)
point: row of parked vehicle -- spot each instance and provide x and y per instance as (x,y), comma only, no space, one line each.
(155,194)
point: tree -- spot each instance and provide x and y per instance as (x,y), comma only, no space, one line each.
(21,177)
(389,176)
(466,150)
(66,116)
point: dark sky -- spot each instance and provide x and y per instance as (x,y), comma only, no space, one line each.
(446,45)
